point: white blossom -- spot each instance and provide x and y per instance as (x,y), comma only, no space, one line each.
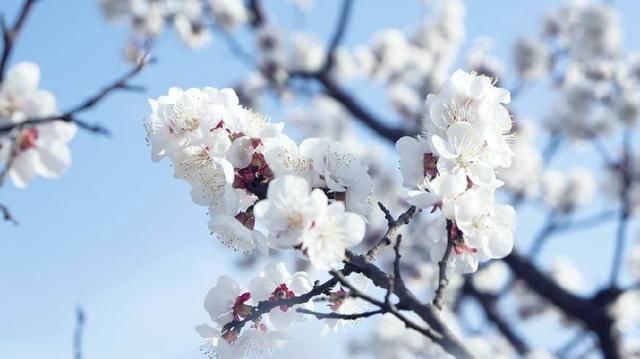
(39,150)
(331,235)
(290,210)
(274,283)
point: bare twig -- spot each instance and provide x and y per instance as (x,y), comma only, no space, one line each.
(396,260)
(339,33)
(6,215)
(394,226)
(578,338)
(359,111)
(408,301)
(387,307)
(541,238)
(443,281)
(626,172)
(333,315)
(489,306)
(10,34)
(77,335)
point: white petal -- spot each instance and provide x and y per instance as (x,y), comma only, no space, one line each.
(22,78)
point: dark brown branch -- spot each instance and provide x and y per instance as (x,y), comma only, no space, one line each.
(77,335)
(592,314)
(6,215)
(443,281)
(541,238)
(341,28)
(408,301)
(121,83)
(331,88)
(388,307)
(10,34)
(367,118)
(579,337)
(266,306)
(489,306)
(394,226)
(258,16)
(626,172)
(333,315)
(396,260)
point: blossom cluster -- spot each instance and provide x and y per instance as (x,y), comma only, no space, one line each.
(451,166)
(192,19)
(262,189)
(39,150)
(229,303)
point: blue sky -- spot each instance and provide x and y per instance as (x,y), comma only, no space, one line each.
(120,236)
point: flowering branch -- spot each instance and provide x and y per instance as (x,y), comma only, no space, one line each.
(266,306)
(121,83)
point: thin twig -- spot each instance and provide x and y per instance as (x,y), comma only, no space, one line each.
(427,332)
(578,338)
(443,281)
(334,315)
(339,33)
(77,335)
(7,215)
(626,172)
(396,260)
(9,35)
(489,306)
(394,226)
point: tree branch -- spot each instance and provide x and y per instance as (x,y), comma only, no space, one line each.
(6,215)
(77,335)
(121,83)
(489,303)
(340,30)
(443,281)
(387,306)
(333,315)
(9,35)
(626,172)
(394,226)
(408,301)
(592,314)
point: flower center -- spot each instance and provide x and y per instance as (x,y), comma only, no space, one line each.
(429,165)
(28,139)
(241,310)
(282,292)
